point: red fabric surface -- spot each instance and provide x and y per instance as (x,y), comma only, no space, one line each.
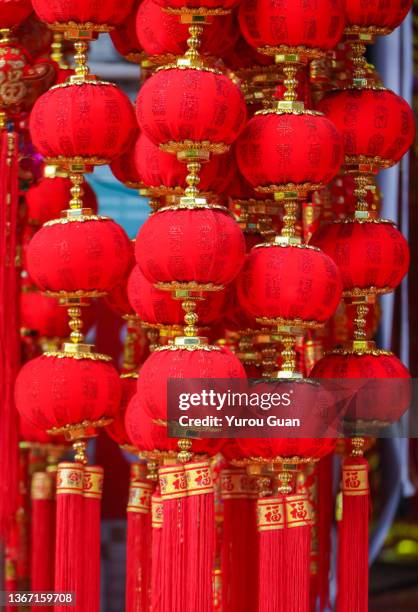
(117,298)
(385,403)
(190,245)
(386,14)
(46,199)
(156,168)
(190,104)
(160,32)
(116,430)
(276,149)
(142,431)
(242,55)
(372,123)
(43,314)
(89,255)
(12,12)
(109,12)
(367,254)
(83,119)
(290,283)
(124,168)
(53,392)
(124,36)
(155,306)
(183,364)
(316,24)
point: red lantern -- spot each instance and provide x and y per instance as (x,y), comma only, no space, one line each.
(29,433)
(306,26)
(177,106)
(158,307)
(12,12)
(384,402)
(58,390)
(143,432)
(375,123)
(43,314)
(85,14)
(89,121)
(117,430)
(124,170)
(165,175)
(117,298)
(290,285)
(372,255)
(375,17)
(162,33)
(125,39)
(281,148)
(193,251)
(181,362)
(79,256)
(50,196)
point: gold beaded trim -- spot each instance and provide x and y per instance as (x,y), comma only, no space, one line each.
(350,351)
(59,26)
(81,83)
(217,148)
(128,375)
(186,347)
(368,161)
(289,111)
(364,291)
(305,54)
(81,219)
(201,11)
(283,245)
(76,294)
(78,355)
(194,207)
(61,160)
(301,189)
(372,30)
(201,67)
(300,323)
(278,460)
(67,430)
(189,286)
(363,220)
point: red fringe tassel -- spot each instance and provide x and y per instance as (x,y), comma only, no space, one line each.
(43,534)
(239,555)
(9,328)
(92,494)
(353,537)
(70,533)
(138,553)
(325,519)
(156,552)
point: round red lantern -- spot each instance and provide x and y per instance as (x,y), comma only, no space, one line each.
(377,126)
(87,15)
(305,27)
(157,307)
(86,256)
(50,196)
(277,149)
(116,430)
(379,397)
(161,33)
(12,12)
(289,285)
(29,433)
(103,134)
(372,255)
(44,314)
(165,175)
(183,108)
(193,253)
(182,362)
(124,170)
(125,39)
(60,391)
(143,432)
(374,17)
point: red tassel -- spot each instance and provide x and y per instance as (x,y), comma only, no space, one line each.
(285,524)
(138,553)
(156,553)
(70,533)
(92,494)
(9,328)
(239,555)
(43,533)
(353,537)
(324,522)
(173,487)
(272,557)
(200,536)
